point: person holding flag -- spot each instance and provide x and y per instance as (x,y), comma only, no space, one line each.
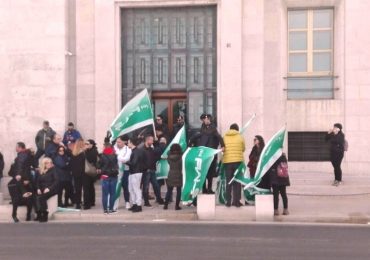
(123,153)
(233,157)
(208,137)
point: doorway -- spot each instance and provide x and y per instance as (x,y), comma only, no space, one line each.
(170,106)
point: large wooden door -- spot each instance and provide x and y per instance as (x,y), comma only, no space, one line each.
(170,106)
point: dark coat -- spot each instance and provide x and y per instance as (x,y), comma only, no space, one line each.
(22,165)
(208,136)
(152,156)
(62,166)
(78,165)
(48,180)
(275,180)
(1,165)
(43,138)
(51,150)
(108,164)
(254,157)
(175,174)
(92,155)
(137,163)
(336,145)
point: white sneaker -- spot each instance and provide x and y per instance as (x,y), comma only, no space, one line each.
(128,205)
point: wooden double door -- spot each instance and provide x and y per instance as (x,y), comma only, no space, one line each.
(170,106)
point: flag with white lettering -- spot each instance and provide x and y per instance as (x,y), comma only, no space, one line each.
(195,164)
(135,114)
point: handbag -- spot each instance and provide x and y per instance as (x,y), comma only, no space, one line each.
(90,169)
(282,170)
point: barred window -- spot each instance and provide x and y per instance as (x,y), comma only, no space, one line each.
(308,146)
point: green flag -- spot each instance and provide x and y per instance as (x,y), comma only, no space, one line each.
(162,165)
(195,164)
(242,175)
(269,155)
(135,114)
(221,184)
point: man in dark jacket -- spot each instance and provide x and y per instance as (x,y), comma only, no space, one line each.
(152,154)
(52,148)
(137,166)
(208,137)
(42,140)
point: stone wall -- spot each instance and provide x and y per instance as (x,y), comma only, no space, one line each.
(32,65)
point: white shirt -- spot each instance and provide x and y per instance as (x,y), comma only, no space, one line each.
(123,156)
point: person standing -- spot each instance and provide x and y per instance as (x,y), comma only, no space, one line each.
(152,156)
(254,156)
(42,140)
(78,170)
(62,166)
(337,140)
(279,180)
(123,153)
(178,125)
(47,186)
(174,175)
(71,135)
(108,170)
(88,181)
(161,128)
(208,137)
(137,166)
(232,158)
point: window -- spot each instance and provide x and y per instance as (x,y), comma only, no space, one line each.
(310,54)
(308,146)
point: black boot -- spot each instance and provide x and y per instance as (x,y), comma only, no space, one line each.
(44,216)
(41,216)
(38,216)
(165,205)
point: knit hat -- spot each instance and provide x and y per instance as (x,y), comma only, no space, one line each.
(338,125)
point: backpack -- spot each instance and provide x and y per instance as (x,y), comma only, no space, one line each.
(345,146)
(282,170)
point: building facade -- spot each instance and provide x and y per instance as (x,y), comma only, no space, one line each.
(299,63)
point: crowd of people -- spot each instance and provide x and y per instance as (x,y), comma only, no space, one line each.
(68,168)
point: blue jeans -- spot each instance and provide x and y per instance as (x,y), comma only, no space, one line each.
(124,182)
(109,190)
(150,177)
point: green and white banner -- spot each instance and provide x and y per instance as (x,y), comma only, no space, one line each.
(221,184)
(242,175)
(269,155)
(195,164)
(162,165)
(135,114)
(117,195)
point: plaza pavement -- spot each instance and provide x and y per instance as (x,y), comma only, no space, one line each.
(312,199)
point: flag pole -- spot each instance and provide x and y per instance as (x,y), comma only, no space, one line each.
(155,134)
